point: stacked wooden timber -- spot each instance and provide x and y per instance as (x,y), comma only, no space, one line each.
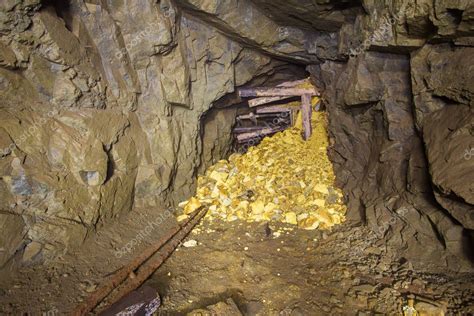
(272,110)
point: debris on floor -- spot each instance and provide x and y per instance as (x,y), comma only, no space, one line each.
(283,179)
(190,243)
(227,308)
(143,301)
(343,271)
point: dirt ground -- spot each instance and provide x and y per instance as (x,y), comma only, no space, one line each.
(340,272)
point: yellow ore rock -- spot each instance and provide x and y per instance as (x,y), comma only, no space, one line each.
(284,179)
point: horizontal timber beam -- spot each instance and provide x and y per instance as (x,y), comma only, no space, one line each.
(276,92)
(265,100)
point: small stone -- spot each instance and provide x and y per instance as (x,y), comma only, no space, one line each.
(290,218)
(190,243)
(31,251)
(192,205)
(181,218)
(91,288)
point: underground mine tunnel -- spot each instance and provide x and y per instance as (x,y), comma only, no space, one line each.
(239,157)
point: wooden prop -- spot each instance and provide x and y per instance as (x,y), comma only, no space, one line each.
(306,113)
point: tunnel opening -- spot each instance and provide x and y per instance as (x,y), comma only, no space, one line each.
(279,132)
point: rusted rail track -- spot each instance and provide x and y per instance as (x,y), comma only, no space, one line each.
(146,263)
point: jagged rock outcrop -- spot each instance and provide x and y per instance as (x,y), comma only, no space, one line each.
(401,123)
(101,111)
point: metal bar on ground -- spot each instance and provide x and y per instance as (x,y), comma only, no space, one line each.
(156,260)
(118,277)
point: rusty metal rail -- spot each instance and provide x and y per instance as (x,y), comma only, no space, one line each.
(146,263)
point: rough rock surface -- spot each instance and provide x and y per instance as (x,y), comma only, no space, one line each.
(401,125)
(100,111)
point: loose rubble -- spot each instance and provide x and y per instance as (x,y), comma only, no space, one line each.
(283,179)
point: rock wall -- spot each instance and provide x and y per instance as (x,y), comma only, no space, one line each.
(401,123)
(101,111)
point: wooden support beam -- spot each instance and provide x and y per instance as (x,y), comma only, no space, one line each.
(273,109)
(239,130)
(306,112)
(266,100)
(276,92)
(244,137)
(292,117)
(254,117)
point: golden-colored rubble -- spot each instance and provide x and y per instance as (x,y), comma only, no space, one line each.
(283,179)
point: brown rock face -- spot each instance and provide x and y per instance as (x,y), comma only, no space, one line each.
(101,111)
(402,128)
(109,105)
(448,136)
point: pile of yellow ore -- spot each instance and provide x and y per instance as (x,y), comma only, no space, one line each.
(283,179)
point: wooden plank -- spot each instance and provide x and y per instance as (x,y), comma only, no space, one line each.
(276,92)
(264,132)
(257,116)
(292,117)
(273,109)
(238,130)
(306,113)
(266,100)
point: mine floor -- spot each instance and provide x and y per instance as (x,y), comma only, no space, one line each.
(299,272)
